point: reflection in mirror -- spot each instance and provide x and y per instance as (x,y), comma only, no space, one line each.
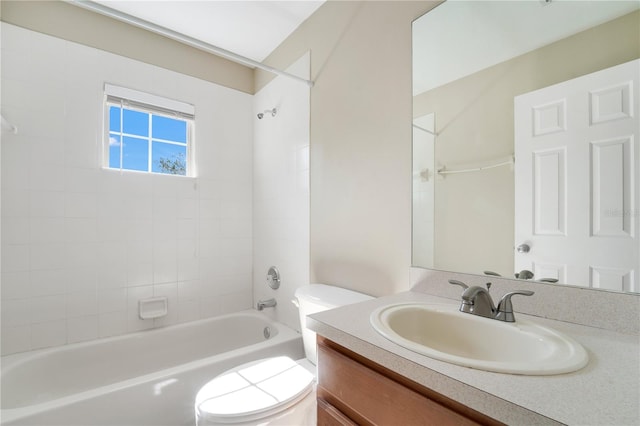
(525,120)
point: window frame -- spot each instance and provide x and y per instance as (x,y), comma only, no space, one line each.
(152,105)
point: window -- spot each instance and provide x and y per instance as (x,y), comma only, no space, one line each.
(147,133)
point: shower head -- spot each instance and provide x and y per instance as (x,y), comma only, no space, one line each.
(272,111)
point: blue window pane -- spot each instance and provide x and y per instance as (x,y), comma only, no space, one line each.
(135,154)
(114,151)
(135,122)
(170,159)
(114,119)
(169,129)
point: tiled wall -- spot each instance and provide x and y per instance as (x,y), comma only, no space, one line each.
(281,190)
(80,244)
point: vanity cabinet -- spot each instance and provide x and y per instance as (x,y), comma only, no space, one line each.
(353,390)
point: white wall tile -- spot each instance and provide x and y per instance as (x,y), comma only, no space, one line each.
(188,248)
(81,180)
(165,229)
(138,229)
(15,339)
(82,304)
(48,334)
(15,285)
(139,273)
(187,228)
(187,188)
(210,307)
(46,204)
(15,230)
(112,323)
(78,204)
(46,255)
(236,301)
(188,290)
(114,276)
(280,195)
(188,310)
(165,207)
(112,300)
(137,206)
(81,255)
(235,228)
(48,308)
(187,207)
(15,175)
(80,229)
(188,268)
(15,257)
(44,151)
(15,203)
(89,241)
(46,230)
(80,329)
(16,312)
(79,279)
(47,282)
(46,177)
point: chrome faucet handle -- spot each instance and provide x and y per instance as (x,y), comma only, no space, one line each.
(505,307)
(524,275)
(460,283)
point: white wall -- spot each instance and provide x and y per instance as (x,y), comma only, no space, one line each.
(80,245)
(281,190)
(360,163)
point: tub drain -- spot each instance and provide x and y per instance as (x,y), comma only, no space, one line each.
(266,332)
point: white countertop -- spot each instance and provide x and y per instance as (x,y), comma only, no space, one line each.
(605,392)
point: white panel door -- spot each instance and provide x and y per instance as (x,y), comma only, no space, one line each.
(576,180)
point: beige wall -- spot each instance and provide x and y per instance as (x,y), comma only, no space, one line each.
(474,120)
(73,23)
(360,158)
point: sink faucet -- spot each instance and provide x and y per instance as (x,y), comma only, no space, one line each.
(269,303)
(477,301)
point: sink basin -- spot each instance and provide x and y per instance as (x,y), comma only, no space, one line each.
(442,332)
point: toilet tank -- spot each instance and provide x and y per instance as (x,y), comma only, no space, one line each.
(314,298)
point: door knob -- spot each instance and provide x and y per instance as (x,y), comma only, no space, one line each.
(523,248)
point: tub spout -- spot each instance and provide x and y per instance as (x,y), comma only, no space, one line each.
(269,303)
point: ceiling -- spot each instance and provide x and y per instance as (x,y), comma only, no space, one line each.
(250,28)
(468,36)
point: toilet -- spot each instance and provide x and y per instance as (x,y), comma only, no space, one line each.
(273,391)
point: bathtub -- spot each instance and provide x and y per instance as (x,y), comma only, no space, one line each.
(145,378)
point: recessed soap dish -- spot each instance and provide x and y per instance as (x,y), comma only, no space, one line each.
(154,307)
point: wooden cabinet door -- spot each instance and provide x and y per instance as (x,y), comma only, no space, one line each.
(367,397)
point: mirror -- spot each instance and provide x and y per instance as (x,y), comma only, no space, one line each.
(471,61)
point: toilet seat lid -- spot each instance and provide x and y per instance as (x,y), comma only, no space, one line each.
(253,390)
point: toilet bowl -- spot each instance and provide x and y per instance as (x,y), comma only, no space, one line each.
(273,391)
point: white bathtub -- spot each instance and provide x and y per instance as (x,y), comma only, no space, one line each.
(146,378)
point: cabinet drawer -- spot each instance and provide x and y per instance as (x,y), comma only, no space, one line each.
(370,398)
